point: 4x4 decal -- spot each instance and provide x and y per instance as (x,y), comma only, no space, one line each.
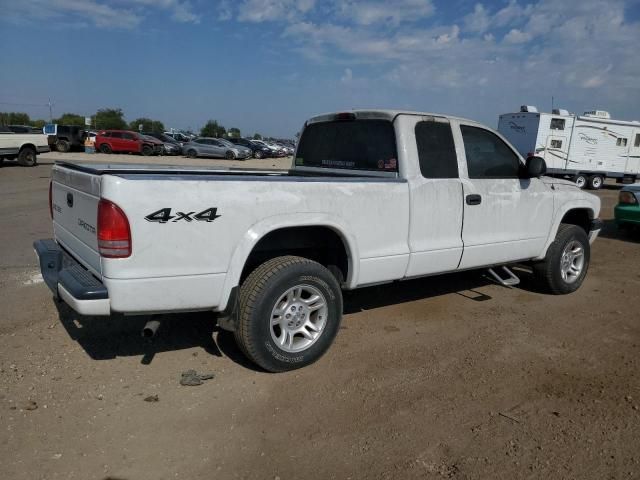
(164,215)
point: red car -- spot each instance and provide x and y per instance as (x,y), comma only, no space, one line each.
(108,141)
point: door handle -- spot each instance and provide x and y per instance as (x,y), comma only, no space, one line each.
(474,199)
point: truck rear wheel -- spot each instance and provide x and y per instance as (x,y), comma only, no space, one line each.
(289,313)
(567,261)
(27,157)
(63,146)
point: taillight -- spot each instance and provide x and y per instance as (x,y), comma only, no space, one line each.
(114,234)
(628,198)
(51,199)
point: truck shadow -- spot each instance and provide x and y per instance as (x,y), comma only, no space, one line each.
(106,338)
(464,284)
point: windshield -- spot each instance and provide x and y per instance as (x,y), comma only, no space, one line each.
(225,142)
(353,145)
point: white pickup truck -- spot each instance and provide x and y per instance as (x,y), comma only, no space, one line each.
(372,197)
(23,146)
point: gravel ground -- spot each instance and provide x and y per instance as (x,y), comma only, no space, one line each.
(447,377)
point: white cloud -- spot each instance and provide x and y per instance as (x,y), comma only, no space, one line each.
(348,76)
(478,21)
(394,12)
(270,10)
(101,13)
(517,36)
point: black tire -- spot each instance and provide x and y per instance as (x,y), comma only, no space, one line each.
(104,148)
(257,154)
(27,157)
(63,146)
(146,150)
(549,271)
(581,180)
(596,182)
(191,153)
(229,155)
(259,294)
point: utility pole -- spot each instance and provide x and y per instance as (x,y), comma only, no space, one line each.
(50,111)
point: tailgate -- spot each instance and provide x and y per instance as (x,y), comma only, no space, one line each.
(75,196)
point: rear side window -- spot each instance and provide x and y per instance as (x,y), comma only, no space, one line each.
(116,135)
(351,145)
(487,155)
(436,150)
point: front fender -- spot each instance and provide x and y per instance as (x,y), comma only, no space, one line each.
(258,230)
(593,207)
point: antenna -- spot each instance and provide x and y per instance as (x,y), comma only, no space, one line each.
(552,105)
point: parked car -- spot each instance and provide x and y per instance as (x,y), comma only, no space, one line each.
(274,151)
(180,137)
(627,211)
(373,197)
(68,137)
(171,145)
(127,141)
(23,129)
(258,151)
(215,147)
(23,146)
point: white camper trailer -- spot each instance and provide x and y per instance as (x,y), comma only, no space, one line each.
(587,148)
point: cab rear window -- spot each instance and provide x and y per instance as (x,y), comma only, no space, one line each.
(350,145)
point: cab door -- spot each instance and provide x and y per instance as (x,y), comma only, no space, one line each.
(435,192)
(506,217)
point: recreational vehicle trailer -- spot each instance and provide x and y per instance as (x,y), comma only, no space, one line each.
(587,148)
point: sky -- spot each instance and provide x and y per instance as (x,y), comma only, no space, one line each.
(267,65)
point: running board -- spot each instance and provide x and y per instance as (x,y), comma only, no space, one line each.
(511,281)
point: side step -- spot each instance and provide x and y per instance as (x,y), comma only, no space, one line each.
(511,279)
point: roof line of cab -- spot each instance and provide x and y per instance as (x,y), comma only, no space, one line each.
(382,114)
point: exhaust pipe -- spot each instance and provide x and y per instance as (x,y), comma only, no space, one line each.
(150,329)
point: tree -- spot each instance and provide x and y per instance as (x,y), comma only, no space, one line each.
(70,119)
(109,118)
(234,132)
(148,125)
(38,123)
(14,118)
(212,129)
(257,136)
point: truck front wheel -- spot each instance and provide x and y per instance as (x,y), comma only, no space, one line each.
(27,157)
(289,313)
(567,261)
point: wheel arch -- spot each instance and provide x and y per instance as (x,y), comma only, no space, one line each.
(579,213)
(28,145)
(276,236)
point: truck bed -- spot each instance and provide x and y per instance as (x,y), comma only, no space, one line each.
(139,171)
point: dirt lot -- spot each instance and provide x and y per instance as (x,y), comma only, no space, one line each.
(449,377)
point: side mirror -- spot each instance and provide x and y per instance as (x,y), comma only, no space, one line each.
(536,167)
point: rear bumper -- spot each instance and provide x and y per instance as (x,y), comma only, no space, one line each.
(70,281)
(594,229)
